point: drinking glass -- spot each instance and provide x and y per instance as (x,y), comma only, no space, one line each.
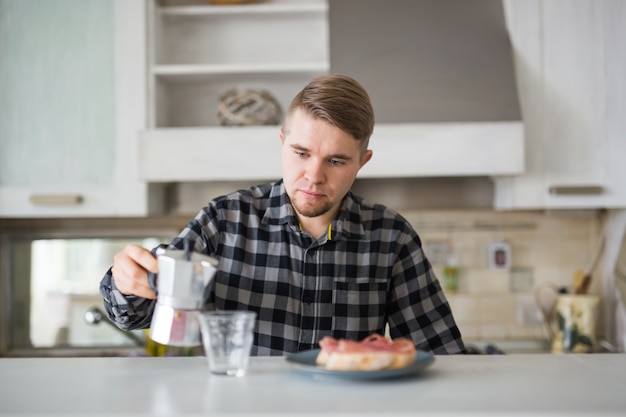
(227,339)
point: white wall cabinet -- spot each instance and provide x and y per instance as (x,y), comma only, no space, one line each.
(570,62)
(73,102)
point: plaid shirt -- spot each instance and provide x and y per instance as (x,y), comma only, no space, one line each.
(369,269)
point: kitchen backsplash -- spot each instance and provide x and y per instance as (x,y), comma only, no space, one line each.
(495,302)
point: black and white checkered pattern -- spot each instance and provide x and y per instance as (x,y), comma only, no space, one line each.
(372,270)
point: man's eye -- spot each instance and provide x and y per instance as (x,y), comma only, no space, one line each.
(300,154)
(336,162)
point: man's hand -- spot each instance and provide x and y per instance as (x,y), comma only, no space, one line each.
(130,271)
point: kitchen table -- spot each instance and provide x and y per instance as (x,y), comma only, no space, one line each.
(460,385)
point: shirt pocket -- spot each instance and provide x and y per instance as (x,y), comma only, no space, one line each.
(359,307)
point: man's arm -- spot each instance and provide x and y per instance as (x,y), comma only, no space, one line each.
(418,306)
(129,296)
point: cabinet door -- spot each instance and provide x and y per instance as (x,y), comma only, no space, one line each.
(71,101)
(570,63)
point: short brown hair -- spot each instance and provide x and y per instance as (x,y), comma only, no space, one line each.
(341,101)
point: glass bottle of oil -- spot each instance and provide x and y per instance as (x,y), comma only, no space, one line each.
(451,271)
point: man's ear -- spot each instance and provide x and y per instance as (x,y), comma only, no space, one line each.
(366,157)
(281,135)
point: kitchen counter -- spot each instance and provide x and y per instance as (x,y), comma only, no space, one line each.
(460,385)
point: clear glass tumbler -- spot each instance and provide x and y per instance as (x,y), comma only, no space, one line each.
(227,338)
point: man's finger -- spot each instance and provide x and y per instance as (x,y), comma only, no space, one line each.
(129,282)
(142,257)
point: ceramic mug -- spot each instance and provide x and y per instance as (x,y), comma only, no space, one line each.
(569,319)
(575,324)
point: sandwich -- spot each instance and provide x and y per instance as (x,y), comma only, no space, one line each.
(373,353)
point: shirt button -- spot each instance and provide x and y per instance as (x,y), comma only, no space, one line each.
(308,299)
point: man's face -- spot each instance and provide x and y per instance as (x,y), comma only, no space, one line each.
(320,163)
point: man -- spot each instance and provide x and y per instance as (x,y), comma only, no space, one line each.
(308,256)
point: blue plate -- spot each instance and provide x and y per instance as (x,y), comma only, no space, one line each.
(305,362)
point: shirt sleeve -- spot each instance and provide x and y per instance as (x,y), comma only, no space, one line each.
(128,312)
(418,307)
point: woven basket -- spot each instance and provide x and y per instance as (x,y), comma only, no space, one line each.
(248,107)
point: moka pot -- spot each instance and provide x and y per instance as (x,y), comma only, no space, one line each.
(181,281)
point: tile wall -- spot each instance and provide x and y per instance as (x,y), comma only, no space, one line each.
(492,304)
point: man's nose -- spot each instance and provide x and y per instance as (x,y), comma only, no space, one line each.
(315,171)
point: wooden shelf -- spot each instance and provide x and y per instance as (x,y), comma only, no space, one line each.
(251,9)
(180,71)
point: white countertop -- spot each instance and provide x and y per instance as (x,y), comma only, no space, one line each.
(460,385)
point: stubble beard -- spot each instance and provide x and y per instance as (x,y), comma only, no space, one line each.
(312,210)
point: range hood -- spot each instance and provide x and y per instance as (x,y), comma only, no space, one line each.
(442,81)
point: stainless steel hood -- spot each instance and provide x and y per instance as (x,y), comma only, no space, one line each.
(442,81)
